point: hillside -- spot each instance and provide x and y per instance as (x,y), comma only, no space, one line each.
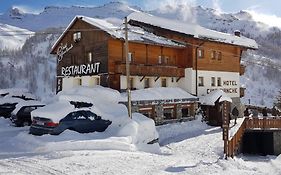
(267,58)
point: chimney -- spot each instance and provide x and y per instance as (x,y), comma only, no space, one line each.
(237,33)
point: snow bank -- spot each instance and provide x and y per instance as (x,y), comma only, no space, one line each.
(123,134)
(12,90)
(98,94)
(213,96)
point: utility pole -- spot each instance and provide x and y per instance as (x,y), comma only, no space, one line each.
(128,69)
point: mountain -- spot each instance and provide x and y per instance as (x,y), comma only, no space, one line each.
(263,66)
(8,39)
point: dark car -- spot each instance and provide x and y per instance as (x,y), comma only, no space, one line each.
(82,121)
(22,116)
(8,103)
(6,109)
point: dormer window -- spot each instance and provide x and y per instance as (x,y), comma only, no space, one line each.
(76,36)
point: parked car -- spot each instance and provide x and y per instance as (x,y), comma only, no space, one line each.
(10,100)
(82,121)
(21,116)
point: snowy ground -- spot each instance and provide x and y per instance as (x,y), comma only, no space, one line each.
(186,148)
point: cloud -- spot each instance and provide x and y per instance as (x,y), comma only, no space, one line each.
(27,9)
(182,7)
(217,6)
(271,20)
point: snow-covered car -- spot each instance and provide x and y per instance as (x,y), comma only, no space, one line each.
(10,99)
(82,121)
(21,115)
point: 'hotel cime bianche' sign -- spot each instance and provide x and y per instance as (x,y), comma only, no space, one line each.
(84,69)
(225,88)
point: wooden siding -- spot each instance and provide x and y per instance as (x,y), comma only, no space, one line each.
(144,58)
(231,54)
(92,40)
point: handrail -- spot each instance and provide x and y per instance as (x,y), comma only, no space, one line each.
(251,123)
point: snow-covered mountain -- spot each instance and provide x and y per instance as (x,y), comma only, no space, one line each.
(260,90)
(8,39)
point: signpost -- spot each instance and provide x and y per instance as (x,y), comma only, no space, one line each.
(225,126)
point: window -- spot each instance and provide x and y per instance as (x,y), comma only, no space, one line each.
(163,82)
(213,81)
(98,80)
(159,59)
(200,81)
(132,83)
(219,56)
(77,36)
(90,57)
(146,83)
(219,81)
(200,53)
(130,57)
(213,55)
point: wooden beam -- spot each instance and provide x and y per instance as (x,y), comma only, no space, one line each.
(178,79)
(156,79)
(142,78)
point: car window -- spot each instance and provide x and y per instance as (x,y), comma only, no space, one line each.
(28,109)
(90,115)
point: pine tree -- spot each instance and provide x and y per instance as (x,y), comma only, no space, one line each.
(278,100)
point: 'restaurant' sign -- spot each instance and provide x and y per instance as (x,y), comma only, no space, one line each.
(84,69)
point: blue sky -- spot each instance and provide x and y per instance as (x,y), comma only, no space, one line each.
(269,7)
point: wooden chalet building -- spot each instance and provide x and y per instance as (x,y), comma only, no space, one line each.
(163,53)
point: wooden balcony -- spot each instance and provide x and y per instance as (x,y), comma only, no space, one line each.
(242,92)
(150,70)
(242,69)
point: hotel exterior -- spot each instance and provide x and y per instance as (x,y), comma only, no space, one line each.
(162,52)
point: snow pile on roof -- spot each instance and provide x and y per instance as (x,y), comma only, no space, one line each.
(192,29)
(161,93)
(135,34)
(27,103)
(213,96)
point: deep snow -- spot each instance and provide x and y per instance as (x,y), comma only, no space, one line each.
(187,148)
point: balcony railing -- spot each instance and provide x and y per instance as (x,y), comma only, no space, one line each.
(150,70)
(242,69)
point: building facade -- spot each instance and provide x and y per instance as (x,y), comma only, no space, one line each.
(162,52)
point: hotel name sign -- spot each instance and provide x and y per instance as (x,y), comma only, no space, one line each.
(226,88)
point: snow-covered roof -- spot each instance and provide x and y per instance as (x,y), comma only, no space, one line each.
(213,96)
(161,93)
(135,34)
(192,29)
(27,103)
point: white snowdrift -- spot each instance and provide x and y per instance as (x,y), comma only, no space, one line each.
(123,134)
(26,103)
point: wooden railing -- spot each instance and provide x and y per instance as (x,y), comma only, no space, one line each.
(242,69)
(149,70)
(251,123)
